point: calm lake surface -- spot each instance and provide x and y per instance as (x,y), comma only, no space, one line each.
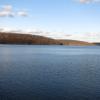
(49,72)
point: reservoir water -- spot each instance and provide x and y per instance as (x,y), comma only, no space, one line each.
(34,72)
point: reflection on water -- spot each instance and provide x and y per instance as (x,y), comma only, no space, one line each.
(49,72)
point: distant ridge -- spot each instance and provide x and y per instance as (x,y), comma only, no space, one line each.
(75,42)
(97,43)
(17,38)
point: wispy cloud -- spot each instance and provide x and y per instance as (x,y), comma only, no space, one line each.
(7,7)
(8,11)
(85,1)
(89,1)
(22,13)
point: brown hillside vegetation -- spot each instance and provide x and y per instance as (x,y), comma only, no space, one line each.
(14,38)
(74,42)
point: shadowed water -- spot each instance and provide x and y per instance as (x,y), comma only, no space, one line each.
(49,72)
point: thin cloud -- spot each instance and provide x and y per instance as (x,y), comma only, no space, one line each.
(7,7)
(22,13)
(8,11)
(89,1)
(85,1)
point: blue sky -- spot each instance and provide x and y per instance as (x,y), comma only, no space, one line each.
(68,16)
